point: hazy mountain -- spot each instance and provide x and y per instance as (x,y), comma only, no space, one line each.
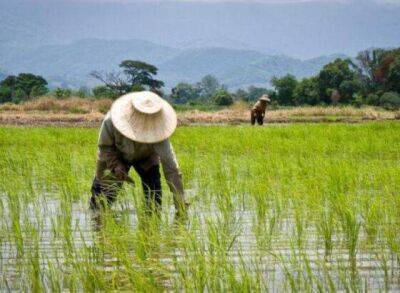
(304,29)
(70,65)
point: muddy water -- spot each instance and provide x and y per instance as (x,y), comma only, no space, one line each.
(277,257)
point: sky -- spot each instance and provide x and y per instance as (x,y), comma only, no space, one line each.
(311,29)
(256,1)
(218,1)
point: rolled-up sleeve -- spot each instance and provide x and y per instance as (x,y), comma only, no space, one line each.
(170,166)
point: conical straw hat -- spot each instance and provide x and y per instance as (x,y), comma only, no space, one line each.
(143,117)
(265,97)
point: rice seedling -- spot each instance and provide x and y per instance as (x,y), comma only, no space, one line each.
(291,207)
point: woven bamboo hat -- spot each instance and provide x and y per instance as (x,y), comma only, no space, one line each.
(143,117)
(265,98)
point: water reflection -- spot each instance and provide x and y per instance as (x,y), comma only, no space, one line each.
(53,229)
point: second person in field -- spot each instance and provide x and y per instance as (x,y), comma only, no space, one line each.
(258,110)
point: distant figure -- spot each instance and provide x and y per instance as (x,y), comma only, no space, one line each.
(258,110)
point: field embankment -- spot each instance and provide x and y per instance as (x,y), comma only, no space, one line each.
(86,112)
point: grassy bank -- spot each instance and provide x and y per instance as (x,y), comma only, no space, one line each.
(85,112)
(294,207)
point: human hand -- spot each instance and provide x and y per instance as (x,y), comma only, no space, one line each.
(120,172)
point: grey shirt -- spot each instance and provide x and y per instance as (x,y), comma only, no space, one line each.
(115,149)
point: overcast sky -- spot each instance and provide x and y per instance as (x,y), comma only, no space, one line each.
(257,1)
(215,1)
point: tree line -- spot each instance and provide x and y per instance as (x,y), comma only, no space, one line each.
(372,78)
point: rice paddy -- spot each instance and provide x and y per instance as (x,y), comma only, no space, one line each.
(292,207)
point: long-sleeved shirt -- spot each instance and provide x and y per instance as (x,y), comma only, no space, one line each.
(116,149)
(259,107)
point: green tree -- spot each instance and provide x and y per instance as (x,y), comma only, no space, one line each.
(102,91)
(138,88)
(331,77)
(372,99)
(390,100)
(5,94)
(10,82)
(222,98)
(185,92)
(28,82)
(394,75)
(141,74)
(241,94)
(22,87)
(306,92)
(386,62)
(38,91)
(135,75)
(348,90)
(254,93)
(367,64)
(208,86)
(284,87)
(378,70)
(18,96)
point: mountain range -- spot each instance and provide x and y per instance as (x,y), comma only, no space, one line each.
(70,65)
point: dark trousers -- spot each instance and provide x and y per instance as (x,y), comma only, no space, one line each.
(105,191)
(257,116)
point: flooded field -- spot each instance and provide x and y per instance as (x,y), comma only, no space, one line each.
(295,207)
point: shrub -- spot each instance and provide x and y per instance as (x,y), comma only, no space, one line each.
(222,98)
(102,91)
(5,94)
(358,100)
(83,92)
(372,99)
(61,93)
(137,88)
(19,96)
(38,91)
(390,100)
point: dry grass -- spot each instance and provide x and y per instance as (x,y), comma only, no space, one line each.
(75,110)
(239,113)
(70,105)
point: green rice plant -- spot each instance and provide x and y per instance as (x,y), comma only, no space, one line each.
(283,207)
(326,227)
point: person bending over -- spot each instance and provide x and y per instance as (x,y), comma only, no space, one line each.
(135,134)
(258,110)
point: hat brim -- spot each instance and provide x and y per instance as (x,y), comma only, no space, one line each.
(141,127)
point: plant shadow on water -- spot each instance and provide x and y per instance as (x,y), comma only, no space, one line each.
(289,213)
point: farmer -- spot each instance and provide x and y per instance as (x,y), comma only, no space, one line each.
(258,110)
(135,133)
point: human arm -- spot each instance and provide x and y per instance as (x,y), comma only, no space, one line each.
(108,157)
(172,173)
